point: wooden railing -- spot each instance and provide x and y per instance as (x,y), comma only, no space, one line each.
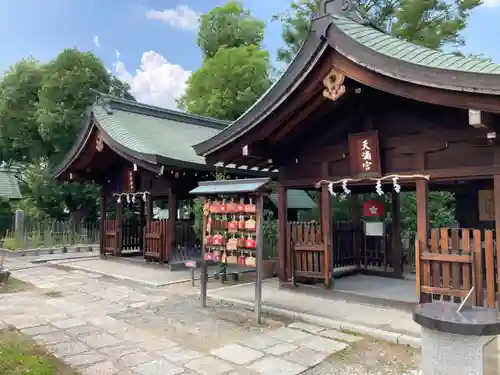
(308,257)
(455,260)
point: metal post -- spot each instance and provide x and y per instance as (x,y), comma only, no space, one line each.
(203,284)
(204,272)
(192,276)
(259,255)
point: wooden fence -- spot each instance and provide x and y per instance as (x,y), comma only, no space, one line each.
(455,260)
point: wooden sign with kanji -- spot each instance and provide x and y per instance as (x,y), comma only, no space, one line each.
(364,155)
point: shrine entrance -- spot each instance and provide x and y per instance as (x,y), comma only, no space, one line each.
(364,243)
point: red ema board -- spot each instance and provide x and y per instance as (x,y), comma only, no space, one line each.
(373,208)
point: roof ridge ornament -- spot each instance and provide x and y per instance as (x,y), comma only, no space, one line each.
(334,85)
(346,8)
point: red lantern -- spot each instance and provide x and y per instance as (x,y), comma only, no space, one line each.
(373,208)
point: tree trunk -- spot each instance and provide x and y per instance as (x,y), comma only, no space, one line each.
(75,218)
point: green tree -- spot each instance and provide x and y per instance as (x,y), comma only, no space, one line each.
(228,26)
(19,136)
(42,109)
(296,23)
(235,71)
(430,23)
(229,83)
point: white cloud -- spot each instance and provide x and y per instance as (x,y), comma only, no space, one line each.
(182,17)
(491,3)
(95,39)
(156,82)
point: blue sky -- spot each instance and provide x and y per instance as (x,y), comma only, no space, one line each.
(156,39)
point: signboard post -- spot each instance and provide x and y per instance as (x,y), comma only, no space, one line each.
(191,264)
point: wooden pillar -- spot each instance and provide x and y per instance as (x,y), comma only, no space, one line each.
(149,208)
(172,219)
(141,224)
(422,189)
(496,197)
(356,221)
(283,248)
(326,227)
(397,248)
(102,228)
(119,223)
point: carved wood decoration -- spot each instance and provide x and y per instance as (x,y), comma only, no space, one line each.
(334,85)
(99,142)
(364,155)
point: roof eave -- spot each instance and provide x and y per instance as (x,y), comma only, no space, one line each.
(77,147)
(447,79)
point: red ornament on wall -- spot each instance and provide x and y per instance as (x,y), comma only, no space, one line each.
(373,208)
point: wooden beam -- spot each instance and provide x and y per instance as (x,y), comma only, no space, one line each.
(102,211)
(397,249)
(422,93)
(481,119)
(422,192)
(171,223)
(283,250)
(305,111)
(326,226)
(436,175)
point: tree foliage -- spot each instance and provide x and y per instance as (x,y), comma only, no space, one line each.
(430,23)
(42,109)
(229,83)
(235,71)
(228,26)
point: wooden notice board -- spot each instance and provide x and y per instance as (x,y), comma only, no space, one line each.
(364,154)
(486,204)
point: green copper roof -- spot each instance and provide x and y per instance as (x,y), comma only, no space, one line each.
(296,199)
(399,49)
(9,185)
(154,131)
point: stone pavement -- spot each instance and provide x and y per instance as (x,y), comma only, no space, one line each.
(381,322)
(102,326)
(139,272)
(380,317)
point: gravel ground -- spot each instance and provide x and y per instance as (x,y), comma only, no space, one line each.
(370,357)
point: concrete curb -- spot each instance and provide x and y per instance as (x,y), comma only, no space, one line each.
(123,277)
(377,333)
(55,250)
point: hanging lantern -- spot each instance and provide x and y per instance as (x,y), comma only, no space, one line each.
(373,208)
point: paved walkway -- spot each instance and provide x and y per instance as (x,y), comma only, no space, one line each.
(109,327)
(333,308)
(149,274)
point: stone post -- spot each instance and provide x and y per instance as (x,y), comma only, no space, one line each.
(458,343)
